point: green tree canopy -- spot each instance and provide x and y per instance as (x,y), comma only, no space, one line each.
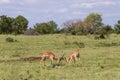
(117,27)
(93,21)
(19,24)
(5,24)
(46,27)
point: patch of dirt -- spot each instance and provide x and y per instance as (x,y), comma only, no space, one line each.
(22,59)
(30,58)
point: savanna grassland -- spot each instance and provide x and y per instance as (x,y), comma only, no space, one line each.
(100,59)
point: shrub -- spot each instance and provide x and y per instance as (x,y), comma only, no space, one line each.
(101,36)
(67,43)
(104,44)
(79,44)
(9,39)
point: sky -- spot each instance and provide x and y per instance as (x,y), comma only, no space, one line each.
(60,11)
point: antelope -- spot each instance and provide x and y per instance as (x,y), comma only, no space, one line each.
(74,55)
(51,56)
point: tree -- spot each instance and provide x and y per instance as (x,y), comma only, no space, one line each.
(19,24)
(92,22)
(79,27)
(117,27)
(5,24)
(105,30)
(75,27)
(42,28)
(53,26)
(46,27)
(67,26)
(108,29)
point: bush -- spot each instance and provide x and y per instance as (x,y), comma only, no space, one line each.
(101,36)
(67,43)
(9,39)
(103,44)
(79,44)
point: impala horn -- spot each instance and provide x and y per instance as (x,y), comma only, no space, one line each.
(63,56)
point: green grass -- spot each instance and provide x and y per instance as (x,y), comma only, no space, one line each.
(100,59)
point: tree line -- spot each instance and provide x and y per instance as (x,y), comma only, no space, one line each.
(92,24)
(9,25)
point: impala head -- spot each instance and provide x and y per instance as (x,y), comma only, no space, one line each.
(59,59)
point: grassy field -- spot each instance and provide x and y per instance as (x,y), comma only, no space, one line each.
(100,59)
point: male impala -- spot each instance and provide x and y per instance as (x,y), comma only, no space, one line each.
(51,56)
(74,55)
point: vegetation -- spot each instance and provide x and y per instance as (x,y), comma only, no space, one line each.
(92,24)
(98,44)
(9,39)
(74,27)
(19,25)
(117,27)
(46,28)
(10,25)
(99,58)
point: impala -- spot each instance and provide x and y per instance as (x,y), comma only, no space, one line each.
(51,56)
(73,56)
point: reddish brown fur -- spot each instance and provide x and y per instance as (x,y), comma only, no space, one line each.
(74,55)
(49,55)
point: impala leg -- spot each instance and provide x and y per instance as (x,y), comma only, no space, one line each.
(78,56)
(51,58)
(43,60)
(66,59)
(70,59)
(58,60)
(51,61)
(76,59)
